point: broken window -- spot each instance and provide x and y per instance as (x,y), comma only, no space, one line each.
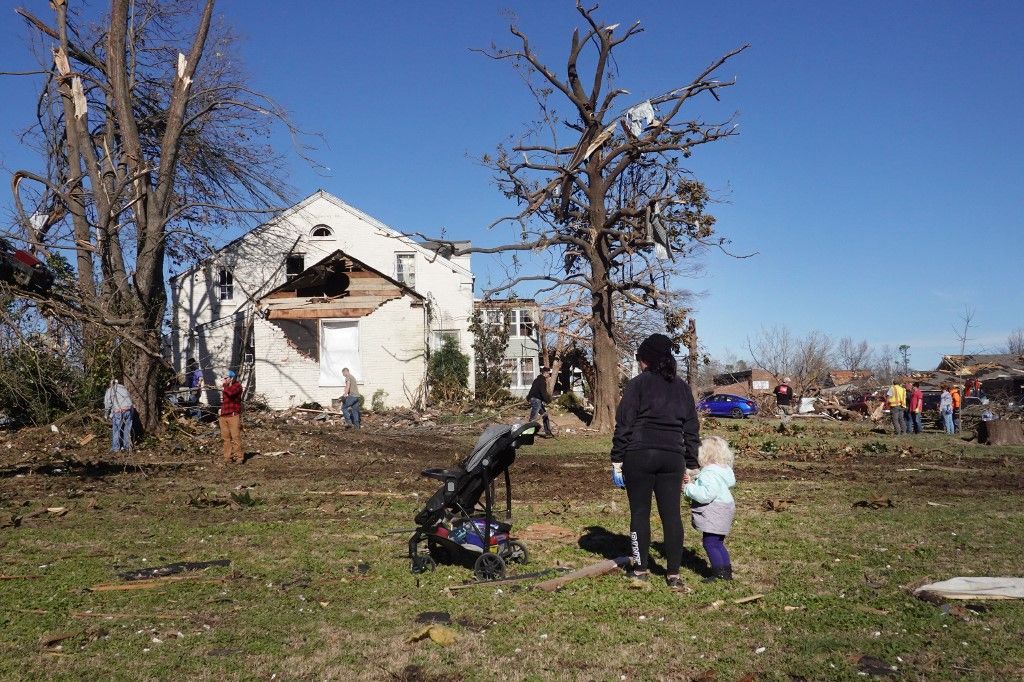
(227,285)
(322,232)
(405,269)
(294,264)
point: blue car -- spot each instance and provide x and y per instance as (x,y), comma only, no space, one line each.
(727,405)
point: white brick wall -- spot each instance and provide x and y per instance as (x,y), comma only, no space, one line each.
(391,345)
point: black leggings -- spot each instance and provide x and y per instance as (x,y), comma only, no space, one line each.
(660,472)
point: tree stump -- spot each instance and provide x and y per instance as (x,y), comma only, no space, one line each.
(1001,432)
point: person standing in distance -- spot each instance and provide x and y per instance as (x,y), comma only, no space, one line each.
(230,419)
(784,398)
(539,397)
(117,405)
(350,400)
(657,437)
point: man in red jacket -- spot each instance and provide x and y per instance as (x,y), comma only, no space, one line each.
(231,419)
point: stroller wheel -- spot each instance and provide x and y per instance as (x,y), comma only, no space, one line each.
(489,567)
(422,564)
(516,553)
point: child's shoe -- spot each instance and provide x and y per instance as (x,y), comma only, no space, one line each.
(722,573)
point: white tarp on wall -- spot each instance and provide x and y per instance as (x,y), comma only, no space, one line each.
(339,348)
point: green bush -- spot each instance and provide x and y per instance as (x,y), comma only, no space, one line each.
(448,373)
(377,402)
(568,401)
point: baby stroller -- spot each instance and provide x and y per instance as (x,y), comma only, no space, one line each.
(457,529)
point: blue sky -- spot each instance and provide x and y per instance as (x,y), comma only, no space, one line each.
(877,174)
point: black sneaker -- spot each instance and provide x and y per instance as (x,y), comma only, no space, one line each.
(724,573)
(676,584)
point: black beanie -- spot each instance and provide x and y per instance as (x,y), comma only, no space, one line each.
(654,349)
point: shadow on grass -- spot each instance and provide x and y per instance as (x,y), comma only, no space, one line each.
(603,542)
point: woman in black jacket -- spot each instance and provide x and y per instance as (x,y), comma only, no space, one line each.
(657,436)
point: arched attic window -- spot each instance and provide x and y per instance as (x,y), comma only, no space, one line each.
(321,232)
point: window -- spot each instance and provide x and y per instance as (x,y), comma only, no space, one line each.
(321,232)
(405,269)
(520,323)
(294,264)
(227,285)
(438,336)
(522,371)
(492,318)
(339,348)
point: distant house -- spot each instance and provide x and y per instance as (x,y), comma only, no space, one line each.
(746,382)
(320,286)
(1001,375)
(522,356)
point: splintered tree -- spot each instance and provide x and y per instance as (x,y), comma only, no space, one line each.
(151,140)
(601,188)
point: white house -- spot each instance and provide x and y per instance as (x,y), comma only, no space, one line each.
(320,286)
(522,356)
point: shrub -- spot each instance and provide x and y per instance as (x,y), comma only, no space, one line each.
(448,373)
(377,402)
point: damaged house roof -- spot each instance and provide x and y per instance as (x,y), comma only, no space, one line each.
(981,363)
(337,286)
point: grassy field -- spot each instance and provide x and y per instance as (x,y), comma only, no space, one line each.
(318,589)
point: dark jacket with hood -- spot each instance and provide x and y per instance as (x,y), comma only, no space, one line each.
(657,414)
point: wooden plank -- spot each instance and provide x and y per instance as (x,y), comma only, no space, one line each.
(591,571)
(317,313)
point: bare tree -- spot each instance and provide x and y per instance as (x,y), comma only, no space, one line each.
(804,360)
(774,350)
(598,187)
(1015,342)
(963,328)
(853,355)
(147,147)
(886,363)
(566,329)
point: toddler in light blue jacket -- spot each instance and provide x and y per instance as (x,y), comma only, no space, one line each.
(713,505)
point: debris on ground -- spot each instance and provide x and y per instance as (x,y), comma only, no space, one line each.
(776,505)
(439,634)
(875,503)
(591,571)
(747,600)
(172,569)
(973,587)
(869,665)
(434,618)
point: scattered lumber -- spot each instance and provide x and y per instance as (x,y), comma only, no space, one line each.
(591,571)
